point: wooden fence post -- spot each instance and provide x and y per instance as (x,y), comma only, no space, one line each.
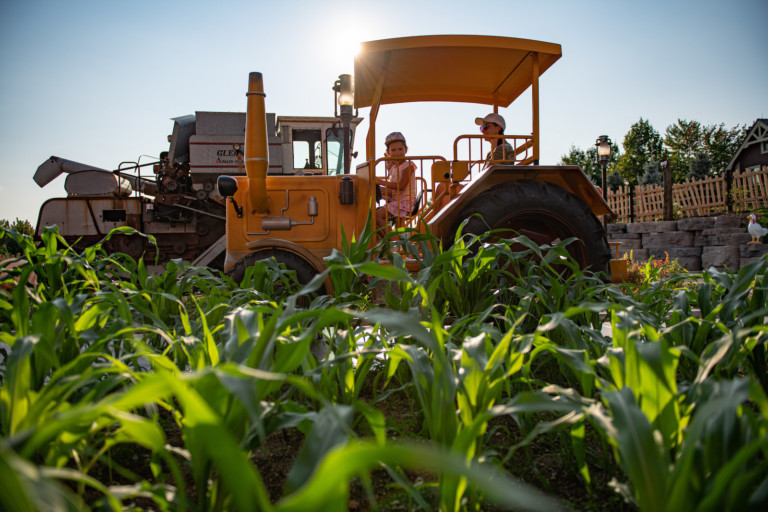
(631,203)
(667,170)
(728,188)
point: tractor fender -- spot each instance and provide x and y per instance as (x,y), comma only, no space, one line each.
(568,177)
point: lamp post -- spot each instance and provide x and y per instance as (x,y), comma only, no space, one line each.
(345,97)
(603,145)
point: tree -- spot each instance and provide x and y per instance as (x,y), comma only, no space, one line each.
(641,144)
(8,246)
(614,180)
(700,166)
(722,144)
(588,161)
(683,140)
(652,174)
(686,140)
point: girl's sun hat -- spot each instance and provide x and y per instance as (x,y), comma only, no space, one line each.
(394,137)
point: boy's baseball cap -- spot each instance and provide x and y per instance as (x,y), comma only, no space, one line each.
(394,137)
(491,118)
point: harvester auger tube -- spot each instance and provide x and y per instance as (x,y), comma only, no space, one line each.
(256,148)
(54,166)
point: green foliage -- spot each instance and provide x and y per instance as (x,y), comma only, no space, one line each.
(722,144)
(689,141)
(589,163)
(652,271)
(614,180)
(700,167)
(346,265)
(684,140)
(641,144)
(8,246)
(652,174)
(692,150)
(660,385)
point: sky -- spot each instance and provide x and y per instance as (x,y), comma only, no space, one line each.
(98,82)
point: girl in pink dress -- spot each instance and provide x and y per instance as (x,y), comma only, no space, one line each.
(399,186)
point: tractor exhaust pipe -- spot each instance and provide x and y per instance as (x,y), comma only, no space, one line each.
(256,149)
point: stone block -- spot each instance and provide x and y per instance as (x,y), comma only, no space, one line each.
(688,257)
(720,236)
(722,231)
(753,250)
(631,243)
(676,252)
(736,238)
(700,240)
(641,227)
(652,227)
(616,227)
(625,236)
(746,261)
(696,224)
(690,264)
(666,226)
(639,254)
(721,257)
(668,239)
(731,221)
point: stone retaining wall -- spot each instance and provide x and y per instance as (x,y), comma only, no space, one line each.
(697,243)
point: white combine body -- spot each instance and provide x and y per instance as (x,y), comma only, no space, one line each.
(175,198)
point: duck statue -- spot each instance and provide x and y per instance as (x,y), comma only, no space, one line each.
(756,230)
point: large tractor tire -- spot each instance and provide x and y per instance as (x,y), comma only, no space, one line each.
(545,213)
(305,272)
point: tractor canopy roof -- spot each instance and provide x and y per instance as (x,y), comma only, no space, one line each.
(488,70)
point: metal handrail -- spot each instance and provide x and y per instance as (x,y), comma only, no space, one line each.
(422,188)
(521,145)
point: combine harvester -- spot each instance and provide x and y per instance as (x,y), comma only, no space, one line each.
(175,198)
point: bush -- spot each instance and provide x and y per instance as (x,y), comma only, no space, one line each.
(9,246)
(652,174)
(644,273)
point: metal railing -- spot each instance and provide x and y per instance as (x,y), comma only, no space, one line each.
(423,190)
(472,150)
(475,150)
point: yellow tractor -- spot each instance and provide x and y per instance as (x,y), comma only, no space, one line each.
(298,219)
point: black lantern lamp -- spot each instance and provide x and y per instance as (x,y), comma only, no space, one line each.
(603,145)
(344,96)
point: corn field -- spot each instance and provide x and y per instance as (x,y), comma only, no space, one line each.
(449,389)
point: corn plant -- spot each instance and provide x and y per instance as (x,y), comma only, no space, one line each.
(193,374)
(349,283)
(456,386)
(657,429)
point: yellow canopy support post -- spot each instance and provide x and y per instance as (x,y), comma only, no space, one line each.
(535,102)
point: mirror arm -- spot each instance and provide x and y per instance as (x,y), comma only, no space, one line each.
(238,209)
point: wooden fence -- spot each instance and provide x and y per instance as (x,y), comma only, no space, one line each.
(693,198)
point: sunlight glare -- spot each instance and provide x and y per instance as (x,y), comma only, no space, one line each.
(342,49)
